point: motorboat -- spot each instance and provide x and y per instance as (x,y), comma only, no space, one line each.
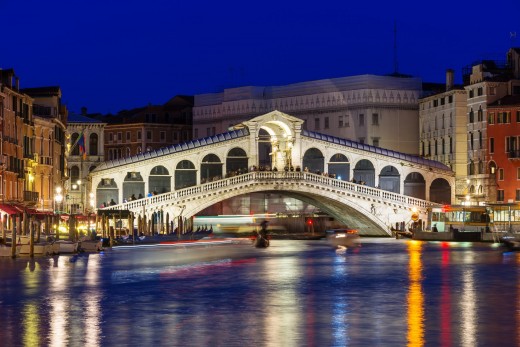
(64,247)
(342,238)
(39,248)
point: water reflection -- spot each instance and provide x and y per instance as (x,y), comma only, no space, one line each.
(415,296)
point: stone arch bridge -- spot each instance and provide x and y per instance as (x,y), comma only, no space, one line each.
(365,187)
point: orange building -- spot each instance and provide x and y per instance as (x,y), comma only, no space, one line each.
(503,129)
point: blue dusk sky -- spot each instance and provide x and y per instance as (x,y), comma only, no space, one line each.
(110,55)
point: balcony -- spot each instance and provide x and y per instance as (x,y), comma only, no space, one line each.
(29,196)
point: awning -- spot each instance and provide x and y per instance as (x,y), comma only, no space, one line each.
(10,209)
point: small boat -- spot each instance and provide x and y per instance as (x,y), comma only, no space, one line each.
(64,247)
(342,238)
(5,251)
(42,248)
(90,245)
(511,243)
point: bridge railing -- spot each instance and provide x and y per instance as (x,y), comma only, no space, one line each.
(302,177)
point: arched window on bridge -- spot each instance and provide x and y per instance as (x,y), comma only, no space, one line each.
(160,180)
(340,167)
(185,175)
(440,191)
(106,191)
(210,168)
(314,161)
(93,144)
(415,185)
(390,179)
(236,162)
(133,186)
(365,172)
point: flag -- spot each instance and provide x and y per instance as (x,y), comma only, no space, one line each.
(81,146)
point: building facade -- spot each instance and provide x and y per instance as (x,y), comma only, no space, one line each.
(443,126)
(377,110)
(485,83)
(148,128)
(50,119)
(85,152)
(503,131)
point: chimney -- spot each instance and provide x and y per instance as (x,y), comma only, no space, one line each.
(83,111)
(449,79)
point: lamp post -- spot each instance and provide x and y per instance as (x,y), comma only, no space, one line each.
(58,198)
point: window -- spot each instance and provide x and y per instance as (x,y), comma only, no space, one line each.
(480,91)
(480,114)
(148,135)
(340,122)
(491,145)
(471,116)
(517,195)
(518,173)
(111,137)
(442,148)
(451,145)
(450,99)
(326,122)
(470,93)
(435,103)
(471,141)
(435,148)
(208,131)
(316,123)
(128,136)
(491,118)
(479,139)
(442,121)
(163,136)
(119,136)
(347,120)
(500,195)
(214,130)
(518,116)
(361,120)
(139,135)
(375,119)
(500,174)
(375,141)
(508,144)
(492,90)
(443,101)
(361,140)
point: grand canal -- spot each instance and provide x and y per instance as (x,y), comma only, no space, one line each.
(295,293)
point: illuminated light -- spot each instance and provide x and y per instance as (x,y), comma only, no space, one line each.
(414,210)
(58,190)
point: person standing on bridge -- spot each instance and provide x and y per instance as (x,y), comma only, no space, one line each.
(112,202)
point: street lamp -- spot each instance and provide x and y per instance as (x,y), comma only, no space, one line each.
(58,198)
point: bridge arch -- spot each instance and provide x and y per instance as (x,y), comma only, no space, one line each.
(210,168)
(415,185)
(133,185)
(364,172)
(440,191)
(185,175)
(339,167)
(106,191)
(313,160)
(390,179)
(237,161)
(159,180)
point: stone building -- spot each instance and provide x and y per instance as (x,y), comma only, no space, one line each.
(376,110)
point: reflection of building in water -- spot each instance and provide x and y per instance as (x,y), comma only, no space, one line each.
(415,296)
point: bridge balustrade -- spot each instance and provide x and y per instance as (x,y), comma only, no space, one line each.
(321,180)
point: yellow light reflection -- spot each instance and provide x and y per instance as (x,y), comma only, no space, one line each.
(415,296)
(283,309)
(59,306)
(31,324)
(93,303)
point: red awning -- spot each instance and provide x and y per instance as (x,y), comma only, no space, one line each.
(10,209)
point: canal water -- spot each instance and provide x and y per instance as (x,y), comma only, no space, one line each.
(386,292)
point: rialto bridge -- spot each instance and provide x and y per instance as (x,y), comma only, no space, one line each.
(362,186)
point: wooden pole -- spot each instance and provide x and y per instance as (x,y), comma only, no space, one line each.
(31,236)
(18,221)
